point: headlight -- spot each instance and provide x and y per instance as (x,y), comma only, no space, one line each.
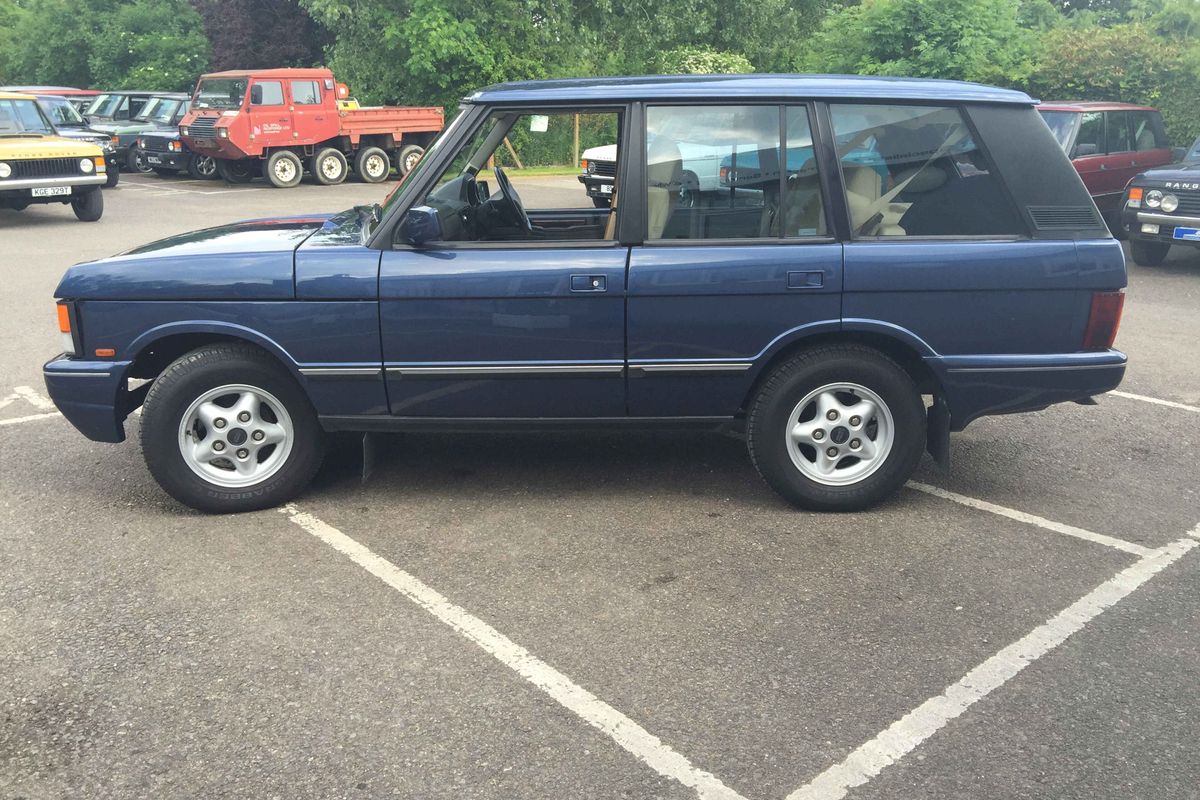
(591,167)
(223,133)
(184,130)
(141,143)
(1169,203)
(86,165)
(1154,198)
(5,170)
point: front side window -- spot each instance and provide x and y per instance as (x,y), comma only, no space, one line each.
(1090,141)
(226,93)
(506,182)
(267,93)
(305,93)
(917,171)
(1117,131)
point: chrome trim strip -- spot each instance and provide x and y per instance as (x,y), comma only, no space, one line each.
(338,371)
(1035,369)
(1168,219)
(698,366)
(76,374)
(511,369)
(83,179)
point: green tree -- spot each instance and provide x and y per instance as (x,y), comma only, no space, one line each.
(149,44)
(50,41)
(702,61)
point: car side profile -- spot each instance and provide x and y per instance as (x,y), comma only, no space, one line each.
(850,311)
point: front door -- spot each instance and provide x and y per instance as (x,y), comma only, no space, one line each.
(517,308)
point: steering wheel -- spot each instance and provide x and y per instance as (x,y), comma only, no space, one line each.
(510,204)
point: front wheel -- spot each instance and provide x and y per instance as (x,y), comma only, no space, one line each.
(88,207)
(1148,254)
(202,167)
(226,429)
(837,428)
(136,161)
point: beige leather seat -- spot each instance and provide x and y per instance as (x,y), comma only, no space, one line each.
(864,187)
(664,176)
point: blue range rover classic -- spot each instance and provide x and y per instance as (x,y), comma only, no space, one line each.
(893,259)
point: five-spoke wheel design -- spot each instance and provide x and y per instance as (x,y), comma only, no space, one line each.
(235,435)
(840,433)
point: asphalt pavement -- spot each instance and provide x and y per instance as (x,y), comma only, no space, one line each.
(597,615)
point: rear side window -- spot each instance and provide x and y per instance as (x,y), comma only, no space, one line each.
(1118,132)
(305,93)
(267,93)
(1147,130)
(1090,141)
(918,171)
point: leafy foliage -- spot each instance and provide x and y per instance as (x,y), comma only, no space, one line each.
(154,44)
(701,61)
(259,34)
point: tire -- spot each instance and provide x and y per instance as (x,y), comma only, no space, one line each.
(372,165)
(689,191)
(234,171)
(602,202)
(284,169)
(328,166)
(198,381)
(408,157)
(88,207)
(791,398)
(135,160)
(1148,254)
(202,168)
(114,175)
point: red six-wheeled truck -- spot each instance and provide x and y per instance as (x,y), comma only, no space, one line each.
(280,122)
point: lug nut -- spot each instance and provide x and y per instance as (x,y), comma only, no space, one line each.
(832,415)
(258,436)
(818,435)
(243,453)
(855,420)
(855,444)
(219,423)
(831,452)
(218,446)
(244,416)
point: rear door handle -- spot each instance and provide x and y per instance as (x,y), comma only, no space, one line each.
(805,280)
(589,283)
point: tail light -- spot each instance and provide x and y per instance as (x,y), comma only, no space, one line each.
(1103,321)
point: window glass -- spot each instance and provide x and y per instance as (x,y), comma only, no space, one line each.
(712,172)
(306,93)
(272,93)
(804,214)
(1147,130)
(1061,123)
(22,116)
(1090,141)
(61,112)
(527,149)
(1118,132)
(917,171)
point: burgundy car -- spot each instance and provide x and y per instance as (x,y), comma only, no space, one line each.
(1108,143)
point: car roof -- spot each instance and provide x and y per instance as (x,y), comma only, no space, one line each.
(147,94)
(1091,105)
(756,86)
(281,72)
(55,90)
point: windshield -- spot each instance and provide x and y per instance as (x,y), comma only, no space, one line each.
(159,109)
(61,112)
(23,118)
(428,158)
(220,93)
(106,105)
(1062,125)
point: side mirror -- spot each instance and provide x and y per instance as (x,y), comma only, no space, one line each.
(1178,153)
(256,95)
(421,226)
(1086,150)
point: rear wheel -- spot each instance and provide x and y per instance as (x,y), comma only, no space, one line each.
(226,429)
(202,167)
(837,428)
(1148,254)
(408,158)
(372,165)
(284,169)
(235,171)
(88,207)
(136,161)
(328,166)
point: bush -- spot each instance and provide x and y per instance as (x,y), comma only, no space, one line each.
(701,61)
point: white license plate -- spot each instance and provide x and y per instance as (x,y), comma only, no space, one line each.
(606,188)
(51,191)
(153,160)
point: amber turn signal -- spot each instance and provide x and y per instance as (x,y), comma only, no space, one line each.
(105,352)
(64,318)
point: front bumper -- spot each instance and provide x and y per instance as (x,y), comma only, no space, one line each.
(1133,219)
(92,395)
(94,179)
(165,159)
(597,185)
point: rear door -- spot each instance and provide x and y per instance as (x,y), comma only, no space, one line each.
(1152,148)
(270,117)
(1090,156)
(308,110)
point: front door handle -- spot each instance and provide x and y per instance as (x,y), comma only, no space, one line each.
(589,283)
(805,280)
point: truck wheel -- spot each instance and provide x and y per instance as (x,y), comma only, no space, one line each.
(226,429)
(328,166)
(113,173)
(234,171)
(836,428)
(284,169)
(202,167)
(372,165)
(88,207)
(408,158)
(1148,254)
(136,161)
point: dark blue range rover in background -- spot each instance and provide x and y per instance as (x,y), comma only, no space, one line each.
(963,261)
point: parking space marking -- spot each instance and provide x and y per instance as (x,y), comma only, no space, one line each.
(1032,519)
(600,715)
(29,395)
(1157,401)
(907,733)
(30,418)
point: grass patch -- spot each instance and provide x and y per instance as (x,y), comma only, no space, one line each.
(513,172)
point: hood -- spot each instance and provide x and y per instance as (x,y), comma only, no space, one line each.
(604,152)
(246,260)
(124,126)
(45,147)
(162,133)
(1185,173)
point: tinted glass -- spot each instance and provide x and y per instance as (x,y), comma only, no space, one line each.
(272,93)
(1147,130)
(305,93)
(1117,131)
(1061,123)
(917,171)
(712,172)
(1090,141)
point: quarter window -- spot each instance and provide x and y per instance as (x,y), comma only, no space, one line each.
(306,93)
(917,171)
(267,93)
(1147,130)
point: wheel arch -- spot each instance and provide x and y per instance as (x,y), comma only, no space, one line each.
(159,347)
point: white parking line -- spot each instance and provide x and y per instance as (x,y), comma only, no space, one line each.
(29,418)
(1031,519)
(1157,402)
(908,732)
(591,709)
